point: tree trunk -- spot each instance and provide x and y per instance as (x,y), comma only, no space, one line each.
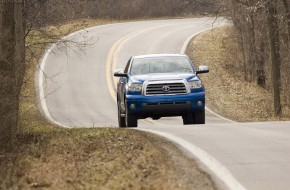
(252,43)
(287,12)
(274,39)
(261,75)
(242,46)
(237,23)
(261,59)
(11,68)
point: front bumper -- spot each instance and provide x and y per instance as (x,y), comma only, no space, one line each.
(162,106)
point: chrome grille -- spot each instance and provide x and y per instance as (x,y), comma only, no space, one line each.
(165,88)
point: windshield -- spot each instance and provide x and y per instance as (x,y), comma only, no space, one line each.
(141,66)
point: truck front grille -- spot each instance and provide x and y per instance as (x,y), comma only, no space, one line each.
(165,88)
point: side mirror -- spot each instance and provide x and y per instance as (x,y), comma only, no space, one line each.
(120,73)
(202,69)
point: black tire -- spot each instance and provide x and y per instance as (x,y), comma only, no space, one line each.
(187,120)
(199,117)
(121,120)
(131,120)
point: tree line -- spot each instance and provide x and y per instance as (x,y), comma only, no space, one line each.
(40,10)
(263,28)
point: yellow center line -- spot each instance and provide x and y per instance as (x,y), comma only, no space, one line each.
(112,61)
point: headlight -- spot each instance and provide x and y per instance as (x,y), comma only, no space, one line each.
(135,87)
(195,84)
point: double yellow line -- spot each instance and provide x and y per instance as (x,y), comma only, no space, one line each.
(112,61)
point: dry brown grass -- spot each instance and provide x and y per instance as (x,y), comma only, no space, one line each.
(97,159)
(228,93)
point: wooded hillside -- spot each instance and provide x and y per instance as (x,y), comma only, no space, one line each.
(263,28)
(40,10)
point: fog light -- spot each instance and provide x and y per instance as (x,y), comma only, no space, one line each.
(199,103)
(133,106)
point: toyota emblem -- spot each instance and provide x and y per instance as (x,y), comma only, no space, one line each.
(166,88)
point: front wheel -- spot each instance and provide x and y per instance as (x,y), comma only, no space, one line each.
(199,117)
(121,119)
(187,120)
(131,120)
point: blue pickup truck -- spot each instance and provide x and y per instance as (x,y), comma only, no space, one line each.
(160,85)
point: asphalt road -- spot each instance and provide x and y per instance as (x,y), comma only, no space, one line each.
(77,89)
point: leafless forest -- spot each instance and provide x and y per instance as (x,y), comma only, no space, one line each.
(41,10)
(263,28)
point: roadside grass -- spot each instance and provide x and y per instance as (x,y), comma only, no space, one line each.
(46,156)
(96,159)
(227,92)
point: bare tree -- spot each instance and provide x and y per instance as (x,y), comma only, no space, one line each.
(287,12)
(274,40)
(263,27)
(12,68)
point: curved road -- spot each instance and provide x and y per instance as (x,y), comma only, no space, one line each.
(77,90)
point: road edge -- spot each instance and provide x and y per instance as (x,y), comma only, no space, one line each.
(184,49)
(216,169)
(40,75)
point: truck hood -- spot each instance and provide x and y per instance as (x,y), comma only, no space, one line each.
(158,76)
